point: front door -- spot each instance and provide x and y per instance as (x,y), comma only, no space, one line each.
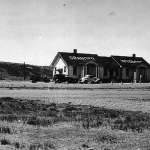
(91,69)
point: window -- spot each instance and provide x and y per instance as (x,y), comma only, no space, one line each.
(117,72)
(65,68)
(55,70)
(127,72)
(60,70)
(105,71)
(75,70)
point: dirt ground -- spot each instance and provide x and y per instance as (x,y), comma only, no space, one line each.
(74,117)
(34,125)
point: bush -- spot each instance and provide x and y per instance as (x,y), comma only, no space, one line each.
(40,121)
(5,142)
(5,130)
(17,145)
(106,137)
(44,146)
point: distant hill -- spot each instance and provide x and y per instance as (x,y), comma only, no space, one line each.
(19,71)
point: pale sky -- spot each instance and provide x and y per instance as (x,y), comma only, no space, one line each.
(35,30)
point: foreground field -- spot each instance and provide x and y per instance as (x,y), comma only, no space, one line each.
(34,125)
(74,116)
(126,99)
(51,85)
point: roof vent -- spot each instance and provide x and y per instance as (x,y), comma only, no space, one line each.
(75,51)
(134,55)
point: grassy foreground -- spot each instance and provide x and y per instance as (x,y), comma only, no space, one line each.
(34,125)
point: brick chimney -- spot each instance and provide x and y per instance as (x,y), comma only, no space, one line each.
(75,51)
(133,55)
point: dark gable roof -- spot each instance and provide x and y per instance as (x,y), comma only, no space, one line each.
(126,61)
(78,58)
(83,58)
(106,61)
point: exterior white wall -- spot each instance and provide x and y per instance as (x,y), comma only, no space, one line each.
(61,65)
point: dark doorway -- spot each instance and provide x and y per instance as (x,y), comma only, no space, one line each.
(91,69)
(75,70)
(142,74)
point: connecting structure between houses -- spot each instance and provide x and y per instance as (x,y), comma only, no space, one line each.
(108,69)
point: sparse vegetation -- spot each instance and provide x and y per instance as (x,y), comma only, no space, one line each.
(40,116)
(17,145)
(5,141)
(5,130)
(44,146)
(90,117)
(18,70)
(106,138)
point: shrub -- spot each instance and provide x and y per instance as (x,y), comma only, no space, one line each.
(33,121)
(40,121)
(5,130)
(85,146)
(17,145)
(44,146)
(105,137)
(86,124)
(9,118)
(5,142)
(49,146)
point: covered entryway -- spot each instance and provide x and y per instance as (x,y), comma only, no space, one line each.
(92,69)
(141,74)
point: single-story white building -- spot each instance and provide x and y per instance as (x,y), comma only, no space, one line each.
(113,68)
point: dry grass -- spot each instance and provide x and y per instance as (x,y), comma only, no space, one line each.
(32,125)
(41,85)
(67,136)
(125,99)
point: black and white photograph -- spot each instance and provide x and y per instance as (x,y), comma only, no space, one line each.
(74,74)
